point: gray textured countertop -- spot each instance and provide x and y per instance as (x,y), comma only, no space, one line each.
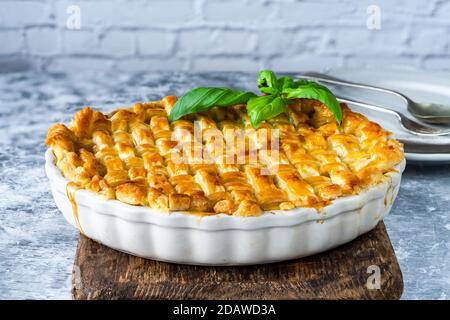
(37,246)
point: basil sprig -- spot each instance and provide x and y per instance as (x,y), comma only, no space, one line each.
(203,99)
(313,90)
(265,107)
(280,91)
(277,95)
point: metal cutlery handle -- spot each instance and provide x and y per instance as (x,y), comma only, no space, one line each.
(330,79)
(429,112)
(406,123)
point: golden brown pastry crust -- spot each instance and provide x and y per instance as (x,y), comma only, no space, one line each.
(130,155)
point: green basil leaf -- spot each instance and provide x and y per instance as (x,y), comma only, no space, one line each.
(313,90)
(268,90)
(300,82)
(202,99)
(284,83)
(264,108)
(267,79)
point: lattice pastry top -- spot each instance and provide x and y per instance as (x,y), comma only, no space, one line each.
(215,162)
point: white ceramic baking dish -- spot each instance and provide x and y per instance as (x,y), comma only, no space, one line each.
(222,239)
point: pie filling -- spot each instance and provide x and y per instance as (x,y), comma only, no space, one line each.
(216,162)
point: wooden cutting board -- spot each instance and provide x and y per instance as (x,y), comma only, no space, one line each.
(342,273)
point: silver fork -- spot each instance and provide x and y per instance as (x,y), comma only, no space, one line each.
(427,112)
(406,123)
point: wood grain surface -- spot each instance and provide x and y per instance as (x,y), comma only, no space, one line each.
(342,273)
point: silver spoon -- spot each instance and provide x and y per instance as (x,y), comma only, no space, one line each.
(406,123)
(428,112)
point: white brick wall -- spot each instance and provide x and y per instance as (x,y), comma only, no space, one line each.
(20,14)
(43,41)
(11,41)
(118,43)
(210,35)
(155,43)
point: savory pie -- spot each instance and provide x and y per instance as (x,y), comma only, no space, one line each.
(129,155)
